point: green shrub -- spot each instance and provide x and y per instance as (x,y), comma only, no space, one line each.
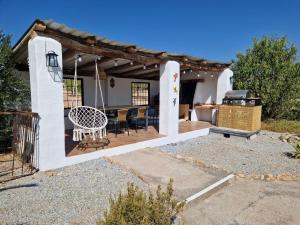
(138,208)
(270,69)
(296,154)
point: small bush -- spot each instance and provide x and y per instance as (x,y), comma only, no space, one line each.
(296,154)
(137,208)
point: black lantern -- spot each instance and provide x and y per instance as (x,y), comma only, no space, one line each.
(112,82)
(51,59)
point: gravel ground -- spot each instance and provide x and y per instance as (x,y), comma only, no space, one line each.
(73,195)
(265,154)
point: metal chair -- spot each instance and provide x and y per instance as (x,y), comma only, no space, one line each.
(153,115)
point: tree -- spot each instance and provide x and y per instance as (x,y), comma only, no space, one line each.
(14,92)
(269,69)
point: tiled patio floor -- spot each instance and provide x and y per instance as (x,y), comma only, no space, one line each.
(73,149)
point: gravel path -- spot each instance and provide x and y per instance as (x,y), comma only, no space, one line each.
(73,195)
(263,155)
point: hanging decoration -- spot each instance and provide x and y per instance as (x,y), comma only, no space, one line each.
(175,76)
(175,88)
(174,101)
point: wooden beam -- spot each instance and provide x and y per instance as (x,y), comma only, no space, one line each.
(131,49)
(78,45)
(25,67)
(39,26)
(206,68)
(150,75)
(92,63)
(68,55)
(91,40)
(122,67)
(162,55)
(140,69)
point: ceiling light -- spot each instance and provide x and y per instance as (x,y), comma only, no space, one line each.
(156,66)
(131,63)
(79,58)
(183,72)
(116,63)
(144,67)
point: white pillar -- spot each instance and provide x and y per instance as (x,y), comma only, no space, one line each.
(169,98)
(224,84)
(47,100)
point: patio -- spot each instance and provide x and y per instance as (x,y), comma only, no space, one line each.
(127,76)
(72,148)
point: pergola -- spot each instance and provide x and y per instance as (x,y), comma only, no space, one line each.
(114,59)
(117,59)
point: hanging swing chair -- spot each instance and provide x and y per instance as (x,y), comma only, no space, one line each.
(89,122)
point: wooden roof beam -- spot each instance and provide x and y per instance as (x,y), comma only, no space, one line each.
(122,67)
(140,69)
(85,66)
(151,75)
(68,55)
(131,49)
(80,46)
(162,55)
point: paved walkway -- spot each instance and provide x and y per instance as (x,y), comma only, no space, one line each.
(248,202)
(156,168)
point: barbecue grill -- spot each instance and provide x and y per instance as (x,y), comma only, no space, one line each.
(240,97)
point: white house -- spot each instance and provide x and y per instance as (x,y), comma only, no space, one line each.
(130,76)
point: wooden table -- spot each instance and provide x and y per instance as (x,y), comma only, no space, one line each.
(206,106)
(117,107)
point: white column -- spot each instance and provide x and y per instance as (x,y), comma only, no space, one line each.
(47,100)
(169,98)
(224,84)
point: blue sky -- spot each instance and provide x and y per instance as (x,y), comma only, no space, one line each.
(214,30)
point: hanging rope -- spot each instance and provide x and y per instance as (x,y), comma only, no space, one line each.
(88,120)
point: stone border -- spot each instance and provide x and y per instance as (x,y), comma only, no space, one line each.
(268,177)
(238,176)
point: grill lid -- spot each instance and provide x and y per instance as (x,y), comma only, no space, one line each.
(237,94)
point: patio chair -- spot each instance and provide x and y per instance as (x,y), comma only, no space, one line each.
(153,116)
(140,117)
(120,119)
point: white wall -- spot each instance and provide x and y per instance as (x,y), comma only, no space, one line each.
(169,79)
(120,94)
(212,90)
(206,91)
(47,100)
(224,84)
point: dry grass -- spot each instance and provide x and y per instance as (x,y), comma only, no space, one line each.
(282,126)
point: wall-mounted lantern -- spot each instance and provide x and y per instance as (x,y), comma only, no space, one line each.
(51,59)
(112,82)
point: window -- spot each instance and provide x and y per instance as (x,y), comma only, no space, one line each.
(140,93)
(69,96)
